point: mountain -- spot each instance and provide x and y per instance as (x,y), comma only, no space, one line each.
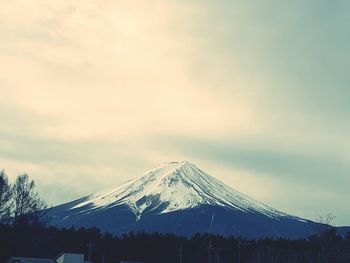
(179,198)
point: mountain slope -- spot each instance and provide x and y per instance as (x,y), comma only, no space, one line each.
(179,198)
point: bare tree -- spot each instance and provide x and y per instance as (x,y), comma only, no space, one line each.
(27,202)
(323,223)
(326,219)
(5,198)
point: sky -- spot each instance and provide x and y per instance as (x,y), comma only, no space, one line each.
(256,93)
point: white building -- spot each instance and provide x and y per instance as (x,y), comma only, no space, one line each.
(30,260)
(70,258)
(62,258)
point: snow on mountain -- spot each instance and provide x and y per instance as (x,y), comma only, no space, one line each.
(178,198)
(173,187)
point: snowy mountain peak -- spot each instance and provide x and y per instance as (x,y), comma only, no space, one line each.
(175,186)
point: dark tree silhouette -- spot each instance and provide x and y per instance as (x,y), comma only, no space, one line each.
(5,198)
(27,202)
(48,242)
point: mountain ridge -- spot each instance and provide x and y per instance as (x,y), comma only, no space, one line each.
(179,198)
(183,185)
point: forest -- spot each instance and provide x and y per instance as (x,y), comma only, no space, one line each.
(23,233)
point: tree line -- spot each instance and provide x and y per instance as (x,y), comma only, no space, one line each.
(23,232)
(33,240)
(19,202)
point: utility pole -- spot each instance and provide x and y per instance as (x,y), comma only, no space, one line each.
(209,251)
(210,246)
(90,248)
(218,256)
(239,251)
(180,254)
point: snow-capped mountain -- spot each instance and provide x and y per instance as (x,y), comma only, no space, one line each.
(179,198)
(175,186)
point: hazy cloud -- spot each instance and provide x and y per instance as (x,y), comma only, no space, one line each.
(93,93)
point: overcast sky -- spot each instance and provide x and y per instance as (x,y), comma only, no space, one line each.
(256,93)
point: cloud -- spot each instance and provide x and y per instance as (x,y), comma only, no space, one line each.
(103,66)
(270,159)
(314,182)
(96,92)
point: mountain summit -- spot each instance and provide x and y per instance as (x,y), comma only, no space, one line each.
(180,198)
(175,186)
